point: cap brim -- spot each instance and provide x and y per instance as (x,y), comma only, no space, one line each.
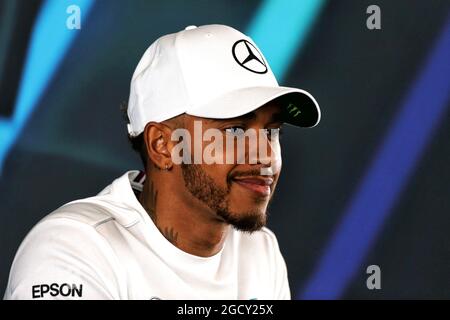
(299,107)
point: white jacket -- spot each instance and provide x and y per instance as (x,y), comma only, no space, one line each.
(107,247)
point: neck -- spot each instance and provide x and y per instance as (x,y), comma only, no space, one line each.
(182,220)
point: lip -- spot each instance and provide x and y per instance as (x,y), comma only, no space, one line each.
(258,185)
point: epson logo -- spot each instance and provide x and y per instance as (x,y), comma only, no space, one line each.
(56,289)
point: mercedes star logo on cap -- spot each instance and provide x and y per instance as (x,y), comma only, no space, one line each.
(248,57)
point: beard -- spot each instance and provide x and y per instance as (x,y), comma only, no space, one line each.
(203,187)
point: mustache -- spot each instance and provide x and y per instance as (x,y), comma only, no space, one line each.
(249,173)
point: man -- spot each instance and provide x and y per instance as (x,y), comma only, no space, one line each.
(192,225)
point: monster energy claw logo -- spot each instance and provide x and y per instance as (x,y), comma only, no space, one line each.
(293,110)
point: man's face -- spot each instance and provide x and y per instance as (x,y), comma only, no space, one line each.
(238,192)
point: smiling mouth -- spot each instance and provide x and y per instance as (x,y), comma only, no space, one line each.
(258,185)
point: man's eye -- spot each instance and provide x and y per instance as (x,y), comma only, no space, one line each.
(235,130)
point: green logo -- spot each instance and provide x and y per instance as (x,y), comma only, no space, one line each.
(293,110)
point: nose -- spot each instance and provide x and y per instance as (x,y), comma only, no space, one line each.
(268,154)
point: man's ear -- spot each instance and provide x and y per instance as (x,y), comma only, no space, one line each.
(158,144)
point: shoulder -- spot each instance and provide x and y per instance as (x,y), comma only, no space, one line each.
(72,224)
(65,247)
(71,229)
(89,212)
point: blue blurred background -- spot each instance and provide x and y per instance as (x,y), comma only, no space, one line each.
(369,185)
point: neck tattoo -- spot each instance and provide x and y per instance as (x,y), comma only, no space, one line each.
(168,232)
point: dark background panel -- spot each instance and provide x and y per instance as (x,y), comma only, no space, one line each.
(359,77)
(16,23)
(414,248)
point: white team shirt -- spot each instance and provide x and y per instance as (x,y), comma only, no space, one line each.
(107,247)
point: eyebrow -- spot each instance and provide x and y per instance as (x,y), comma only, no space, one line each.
(248,116)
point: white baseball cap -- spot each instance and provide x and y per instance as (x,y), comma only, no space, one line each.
(211,71)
